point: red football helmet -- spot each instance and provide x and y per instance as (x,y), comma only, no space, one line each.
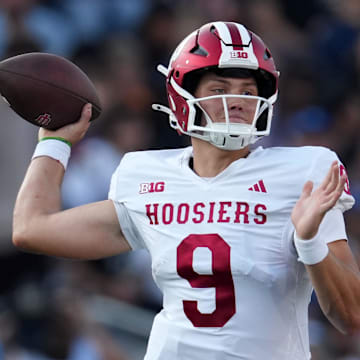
(220,47)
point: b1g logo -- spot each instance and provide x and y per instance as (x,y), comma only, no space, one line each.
(239,54)
(152,187)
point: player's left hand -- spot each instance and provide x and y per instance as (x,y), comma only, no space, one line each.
(313,205)
(73,132)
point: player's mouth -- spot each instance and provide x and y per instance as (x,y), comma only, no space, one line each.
(236,119)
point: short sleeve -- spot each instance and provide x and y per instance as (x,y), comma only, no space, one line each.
(320,167)
(332,227)
(117,193)
(128,228)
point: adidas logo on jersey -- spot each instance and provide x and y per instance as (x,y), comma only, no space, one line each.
(258,187)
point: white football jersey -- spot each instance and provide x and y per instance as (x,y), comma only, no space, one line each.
(222,250)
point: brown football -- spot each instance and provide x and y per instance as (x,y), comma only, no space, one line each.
(46,90)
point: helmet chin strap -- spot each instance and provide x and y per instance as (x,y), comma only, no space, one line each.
(231,142)
(227,143)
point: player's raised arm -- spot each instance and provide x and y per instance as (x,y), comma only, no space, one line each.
(86,232)
(333,271)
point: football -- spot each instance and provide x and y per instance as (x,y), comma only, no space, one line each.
(46,90)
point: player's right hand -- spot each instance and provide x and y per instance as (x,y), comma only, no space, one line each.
(312,205)
(73,132)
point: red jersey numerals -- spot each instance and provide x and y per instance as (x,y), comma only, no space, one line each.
(220,279)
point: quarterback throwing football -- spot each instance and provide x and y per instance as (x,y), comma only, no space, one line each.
(239,237)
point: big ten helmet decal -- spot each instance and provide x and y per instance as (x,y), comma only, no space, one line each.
(220,46)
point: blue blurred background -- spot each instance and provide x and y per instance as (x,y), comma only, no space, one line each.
(102,310)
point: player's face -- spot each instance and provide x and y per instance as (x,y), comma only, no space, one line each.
(240,110)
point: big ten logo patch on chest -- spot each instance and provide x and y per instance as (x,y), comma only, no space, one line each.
(152,187)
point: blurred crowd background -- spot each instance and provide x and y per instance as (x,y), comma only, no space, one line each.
(56,309)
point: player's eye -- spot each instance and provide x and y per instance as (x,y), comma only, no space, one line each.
(218,91)
(247,93)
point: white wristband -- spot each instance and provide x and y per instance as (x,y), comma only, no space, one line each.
(55,149)
(311,251)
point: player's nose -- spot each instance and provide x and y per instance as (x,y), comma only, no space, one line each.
(235,104)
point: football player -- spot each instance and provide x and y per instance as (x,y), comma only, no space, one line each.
(238,236)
